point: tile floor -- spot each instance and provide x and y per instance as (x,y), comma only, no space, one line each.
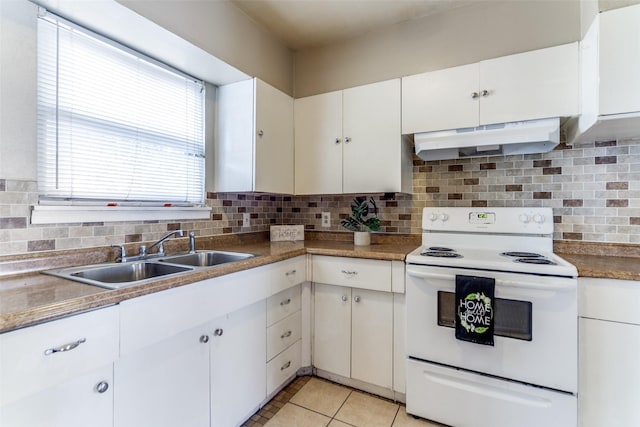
(315,402)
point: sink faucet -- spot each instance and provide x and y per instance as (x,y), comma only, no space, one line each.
(144,250)
(192,242)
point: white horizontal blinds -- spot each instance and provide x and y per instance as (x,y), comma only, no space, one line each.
(114,125)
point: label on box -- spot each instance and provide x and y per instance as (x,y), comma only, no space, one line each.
(281,233)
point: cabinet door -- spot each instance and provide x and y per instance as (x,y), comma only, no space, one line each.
(318,144)
(273,140)
(440,100)
(620,60)
(531,85)
(332,329)
(609,381)
(238,367)
(372,139)
(166,384)
(74,403)
(372,337)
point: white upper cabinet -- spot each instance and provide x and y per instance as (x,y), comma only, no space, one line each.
(619,62)
(254,141)
(526,86)
(349,142)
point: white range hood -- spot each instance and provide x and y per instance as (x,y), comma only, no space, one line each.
(532,136)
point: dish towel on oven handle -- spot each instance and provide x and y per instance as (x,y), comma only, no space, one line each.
(475,309)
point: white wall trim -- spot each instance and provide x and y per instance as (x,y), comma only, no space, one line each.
(79,214)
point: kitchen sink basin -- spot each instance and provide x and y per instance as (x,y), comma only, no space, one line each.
(206,258)
(114,276)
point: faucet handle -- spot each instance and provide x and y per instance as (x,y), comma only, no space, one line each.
(123,252)
(192,242)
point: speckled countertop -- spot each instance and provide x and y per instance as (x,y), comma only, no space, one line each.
(28,297)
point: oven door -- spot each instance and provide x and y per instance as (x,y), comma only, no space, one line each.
(535,325)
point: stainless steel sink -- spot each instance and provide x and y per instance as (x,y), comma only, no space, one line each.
(206,258)
(114,276)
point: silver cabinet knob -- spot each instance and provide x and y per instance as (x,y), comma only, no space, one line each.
(474,95)
(204,339)
(356,298)
(344,298)
(260,133)
(484,93)
(102,386)
(347,140)
(218,332)
(338,140)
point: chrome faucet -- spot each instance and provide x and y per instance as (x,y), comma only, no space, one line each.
(192,242)
(144,250)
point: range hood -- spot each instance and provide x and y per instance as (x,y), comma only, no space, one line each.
(532,136)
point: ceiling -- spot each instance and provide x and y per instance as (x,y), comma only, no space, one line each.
(304,24)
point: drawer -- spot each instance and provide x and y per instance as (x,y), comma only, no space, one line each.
(609,299)
(282,367)
(282,334)
(288,273)
(49,354)
(352,272)
(282,305)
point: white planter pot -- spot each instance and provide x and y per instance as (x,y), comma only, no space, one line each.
(361,238)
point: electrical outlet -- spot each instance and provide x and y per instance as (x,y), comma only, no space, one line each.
(246,219)
(326,219)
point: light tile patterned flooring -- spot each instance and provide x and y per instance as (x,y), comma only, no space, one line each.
(315,402)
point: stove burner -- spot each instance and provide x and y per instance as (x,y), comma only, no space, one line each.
(440,249)
(543,261)
(441,254)
(522,254)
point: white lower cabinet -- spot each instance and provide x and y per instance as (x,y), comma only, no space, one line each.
(354,319)
(609,344)
(238,372)
(60,373)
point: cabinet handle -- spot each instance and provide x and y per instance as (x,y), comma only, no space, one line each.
(290,273)
(102,386)
(66,347)
(260,133)
(347,140)
(285,335)
(218,332)
(286,365)
(338,140)
(356,298)
(474,95)
(349,272)
(344,298)
(484,93)
(204,339)
(285,302)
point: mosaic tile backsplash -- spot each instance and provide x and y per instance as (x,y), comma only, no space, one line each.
(593,188)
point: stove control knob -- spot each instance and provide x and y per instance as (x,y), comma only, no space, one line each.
(433,216)
(538,219)
(524,218)
(444,216)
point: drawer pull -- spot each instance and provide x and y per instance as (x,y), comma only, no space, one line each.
(285,302)
(65,347)
(286,335)
(286,365)
(218,332)
(290,273)
(102,386)
(350,272)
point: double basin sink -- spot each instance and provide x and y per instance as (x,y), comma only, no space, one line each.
(114,276)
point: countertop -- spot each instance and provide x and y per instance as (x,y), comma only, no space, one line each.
(28,297)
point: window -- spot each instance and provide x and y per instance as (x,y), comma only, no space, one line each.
(114,126)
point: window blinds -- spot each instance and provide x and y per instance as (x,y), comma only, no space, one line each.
(114,125)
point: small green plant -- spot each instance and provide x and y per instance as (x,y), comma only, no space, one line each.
(363,215)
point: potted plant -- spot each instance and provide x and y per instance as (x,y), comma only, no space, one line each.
(363,220)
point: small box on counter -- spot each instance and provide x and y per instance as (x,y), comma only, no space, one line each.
(281,233)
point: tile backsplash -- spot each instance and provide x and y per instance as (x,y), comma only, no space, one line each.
(594,189)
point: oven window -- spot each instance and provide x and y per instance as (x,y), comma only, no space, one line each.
(512,318)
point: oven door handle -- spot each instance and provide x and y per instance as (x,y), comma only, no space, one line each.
(557,287)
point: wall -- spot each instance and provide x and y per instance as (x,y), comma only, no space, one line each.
(227,33)
(460,36)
